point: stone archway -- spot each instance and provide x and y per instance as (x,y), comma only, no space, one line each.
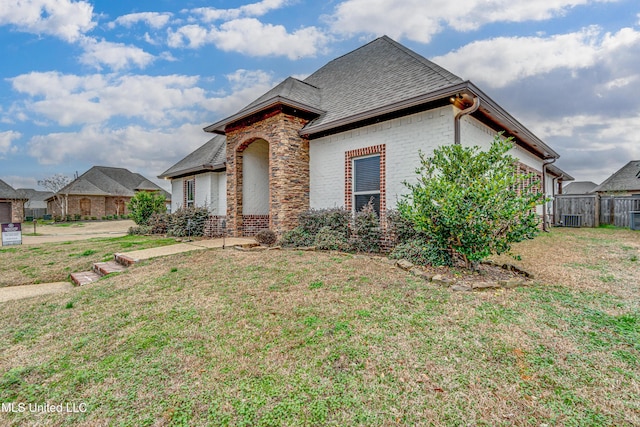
(288,170)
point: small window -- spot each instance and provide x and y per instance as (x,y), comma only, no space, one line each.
(190,193)
(366,182)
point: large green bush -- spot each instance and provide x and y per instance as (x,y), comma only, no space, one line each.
(144,204)
(467,201)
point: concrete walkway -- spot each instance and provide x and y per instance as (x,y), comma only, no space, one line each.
(19,292)
(10,293)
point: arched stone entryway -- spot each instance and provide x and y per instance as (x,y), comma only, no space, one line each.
(288,170)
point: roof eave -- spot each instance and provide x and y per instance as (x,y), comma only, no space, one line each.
(381,111)
(195,169)
(219,127)
(488,107)
(554,170)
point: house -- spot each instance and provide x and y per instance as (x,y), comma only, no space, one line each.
(101,191)
(35,205)
(349,133)
(579,187)
(624,182)
(11,204)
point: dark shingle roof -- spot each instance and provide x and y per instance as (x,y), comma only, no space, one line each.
(380,78)
(579,187)
(379,73)
(625,179)
(35,195)
(210,156)
(7,191)
(108,181)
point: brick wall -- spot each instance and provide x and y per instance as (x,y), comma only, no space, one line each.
(214,226)
(251,224)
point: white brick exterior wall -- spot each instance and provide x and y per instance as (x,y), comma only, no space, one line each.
(177,195)
(211,191)
(404,138)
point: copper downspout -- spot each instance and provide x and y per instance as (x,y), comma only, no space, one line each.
(456,120)
(544,191)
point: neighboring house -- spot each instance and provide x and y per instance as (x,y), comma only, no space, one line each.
(11,204)
(101,191)
(579,187)
(36,204)
(349,133)
(624,182)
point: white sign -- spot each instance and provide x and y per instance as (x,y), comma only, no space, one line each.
(11,234)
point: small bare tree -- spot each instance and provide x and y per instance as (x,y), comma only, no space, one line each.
(55,184)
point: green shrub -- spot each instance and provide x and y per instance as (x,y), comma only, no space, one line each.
(469,201)
(366,230)
(94,218)
(77,217)
(420,252)
(329,239)
(266,237)
(400,228)
(336,219)
(144,204)
(159,223)
(296,238)
(188,222)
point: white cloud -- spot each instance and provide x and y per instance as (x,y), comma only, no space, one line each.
(6,142)
(117,56)
(148,151)
(65,19)
(246,86)
(192,36)
(252,37)
(420,20)
(72,100)
(153,19)
(501,61)
(210,14)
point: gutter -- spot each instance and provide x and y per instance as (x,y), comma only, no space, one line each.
(456,120)
(544,191)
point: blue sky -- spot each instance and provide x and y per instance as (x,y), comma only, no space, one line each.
(132,84)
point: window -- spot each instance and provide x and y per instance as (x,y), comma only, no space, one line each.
(366,182)
(190,193)
(365,178)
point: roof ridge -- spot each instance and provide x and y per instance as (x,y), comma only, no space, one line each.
(424,61)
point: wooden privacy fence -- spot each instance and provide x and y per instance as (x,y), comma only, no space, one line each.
(592,210)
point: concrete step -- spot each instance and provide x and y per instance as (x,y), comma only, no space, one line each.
(84,277)
(104,268)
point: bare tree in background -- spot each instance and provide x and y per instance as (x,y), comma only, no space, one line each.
(56,183)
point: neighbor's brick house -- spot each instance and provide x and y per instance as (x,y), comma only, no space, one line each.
(101,191)
(349,133)
(11,204)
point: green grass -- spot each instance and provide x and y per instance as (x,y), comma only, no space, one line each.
(229,338)
(52,262)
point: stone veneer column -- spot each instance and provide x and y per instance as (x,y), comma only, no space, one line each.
(288,169)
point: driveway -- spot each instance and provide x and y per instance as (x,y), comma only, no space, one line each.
(64,232)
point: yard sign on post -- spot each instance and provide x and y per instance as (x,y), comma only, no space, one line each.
(11,234)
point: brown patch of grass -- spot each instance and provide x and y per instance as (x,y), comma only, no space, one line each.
(295,338)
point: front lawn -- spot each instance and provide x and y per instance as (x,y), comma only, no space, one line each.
(224,337)
(53,262)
